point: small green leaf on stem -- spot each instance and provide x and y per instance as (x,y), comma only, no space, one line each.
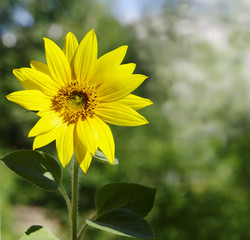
(100,156)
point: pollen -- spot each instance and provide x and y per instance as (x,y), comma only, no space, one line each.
(75,101)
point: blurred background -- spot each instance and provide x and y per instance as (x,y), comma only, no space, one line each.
(196,149)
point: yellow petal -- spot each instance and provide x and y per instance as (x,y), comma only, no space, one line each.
(45,139)
(41,67)
(46,123)
(86,134)
(108,74)
(57,62)
(107,64)
(30,99)
(84,165)
(116,89)
(70,46)
(33,79)
(119,114)
(112,58)
(85,57)
(105,138)
(64,144)
(135,102)
(83,156)
(26,84)
(126,69)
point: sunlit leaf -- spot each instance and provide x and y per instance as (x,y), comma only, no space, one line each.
(37,167)
(38,233)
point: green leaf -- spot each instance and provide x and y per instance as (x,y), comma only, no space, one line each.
(123,222)
(38,233)
(100,156)
(37,167)
(137,198)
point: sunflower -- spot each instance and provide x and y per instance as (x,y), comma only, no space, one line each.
(76,95)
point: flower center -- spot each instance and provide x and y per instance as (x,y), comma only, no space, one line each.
(78,99)
(75,101)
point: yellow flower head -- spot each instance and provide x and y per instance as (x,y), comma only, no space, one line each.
(76,94)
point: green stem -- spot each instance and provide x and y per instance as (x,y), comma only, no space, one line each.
(84,226)
(66,197)
(74,199)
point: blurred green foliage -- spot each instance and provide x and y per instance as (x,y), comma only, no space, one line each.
(197,146)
